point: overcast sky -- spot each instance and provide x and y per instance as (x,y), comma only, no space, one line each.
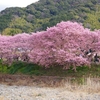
(15,3)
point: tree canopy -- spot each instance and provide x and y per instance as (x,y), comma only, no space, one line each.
(65,44)
(46,13)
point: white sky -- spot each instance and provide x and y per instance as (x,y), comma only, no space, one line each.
(15,3)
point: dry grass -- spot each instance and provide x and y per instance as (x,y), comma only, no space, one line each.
(90,85)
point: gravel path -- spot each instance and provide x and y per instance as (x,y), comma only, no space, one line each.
(43,93)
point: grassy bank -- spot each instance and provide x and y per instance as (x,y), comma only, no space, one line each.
(33,69)
(88,79)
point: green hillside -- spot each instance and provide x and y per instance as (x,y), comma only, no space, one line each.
(46,13)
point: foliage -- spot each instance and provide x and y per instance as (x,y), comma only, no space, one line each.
(25,68)
(46,13)
(4,21)
(92,20)
(33,69)
(11,31)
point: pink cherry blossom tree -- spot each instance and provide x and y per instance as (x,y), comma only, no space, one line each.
(65,44)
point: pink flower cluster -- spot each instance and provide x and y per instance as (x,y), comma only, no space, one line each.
(63,45)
